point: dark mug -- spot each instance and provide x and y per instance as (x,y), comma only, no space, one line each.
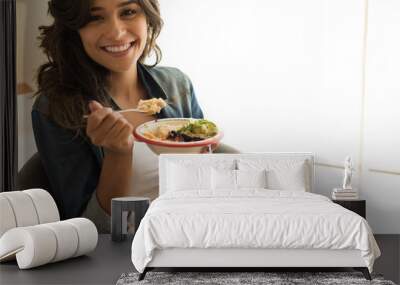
(126,214)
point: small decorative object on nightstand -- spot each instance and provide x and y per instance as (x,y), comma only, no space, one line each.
(357,206)
(348,173)
(121,209)
(347,192)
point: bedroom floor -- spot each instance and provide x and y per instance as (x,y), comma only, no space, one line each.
(389,262)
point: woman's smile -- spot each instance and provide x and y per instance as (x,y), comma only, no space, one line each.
(118,50)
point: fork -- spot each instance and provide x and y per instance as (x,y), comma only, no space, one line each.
(134,109)
(123,111)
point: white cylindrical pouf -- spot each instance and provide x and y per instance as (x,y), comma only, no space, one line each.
(40,244)
(87,233)
(23,208)
(7,218)
(45,206)
(67,239)
(36,245)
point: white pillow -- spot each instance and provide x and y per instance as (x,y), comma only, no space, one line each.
(251,178)
(184,178)
(282,174)
(223,179)
(227,179)
(287,179)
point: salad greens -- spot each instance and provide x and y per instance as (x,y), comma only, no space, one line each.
(195,130)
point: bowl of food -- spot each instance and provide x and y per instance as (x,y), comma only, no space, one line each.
(178,135)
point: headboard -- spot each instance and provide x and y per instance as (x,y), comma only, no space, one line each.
(165,159)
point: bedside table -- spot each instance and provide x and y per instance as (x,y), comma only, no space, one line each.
(357,206)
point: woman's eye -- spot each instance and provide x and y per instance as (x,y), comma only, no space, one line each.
(129,12)
(93,18)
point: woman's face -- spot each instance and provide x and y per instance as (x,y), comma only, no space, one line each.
(116,35)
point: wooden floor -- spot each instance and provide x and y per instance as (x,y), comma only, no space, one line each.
(389,262)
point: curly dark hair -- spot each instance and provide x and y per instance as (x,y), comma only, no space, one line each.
(71,78)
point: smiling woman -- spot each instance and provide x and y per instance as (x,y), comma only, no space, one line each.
(97,52)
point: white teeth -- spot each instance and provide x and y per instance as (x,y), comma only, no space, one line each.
(120,48)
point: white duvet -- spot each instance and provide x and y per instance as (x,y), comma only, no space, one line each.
(250,219)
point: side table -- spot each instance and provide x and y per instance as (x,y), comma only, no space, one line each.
(357,206)
(120,207)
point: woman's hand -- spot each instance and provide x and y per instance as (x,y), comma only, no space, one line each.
(109,129)
(206,149)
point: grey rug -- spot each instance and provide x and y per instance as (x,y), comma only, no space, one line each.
(269,278)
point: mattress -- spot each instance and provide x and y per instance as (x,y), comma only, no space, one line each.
(251,219)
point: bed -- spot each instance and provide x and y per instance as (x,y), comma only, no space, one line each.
(247,211)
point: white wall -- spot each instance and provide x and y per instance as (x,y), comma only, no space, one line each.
(287,76)
(381,171)
(288,70)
